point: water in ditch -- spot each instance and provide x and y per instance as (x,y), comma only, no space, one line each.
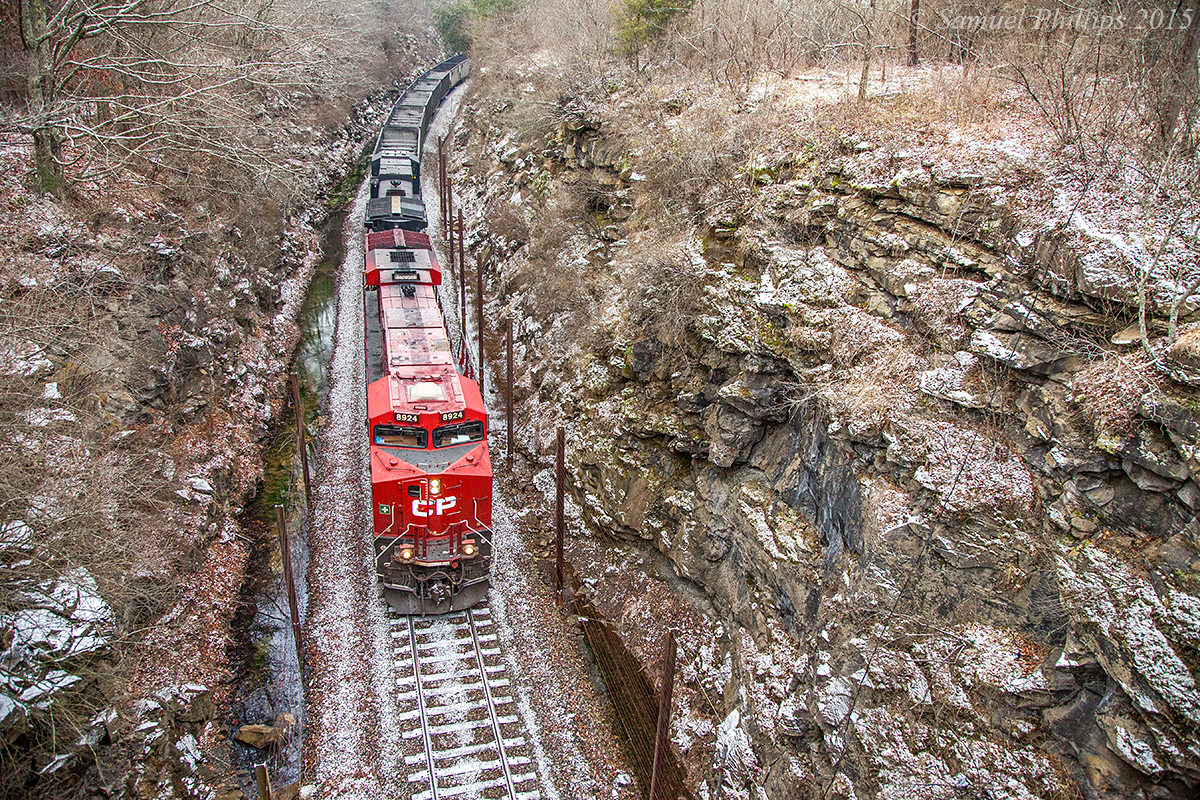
(270,680)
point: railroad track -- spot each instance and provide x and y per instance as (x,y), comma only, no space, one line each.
(456,706)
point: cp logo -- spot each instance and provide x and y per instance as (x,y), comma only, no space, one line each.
(433,508)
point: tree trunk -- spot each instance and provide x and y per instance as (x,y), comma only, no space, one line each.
(914,14)
(1182,91)
(46,141)
(865,78)
(866,71)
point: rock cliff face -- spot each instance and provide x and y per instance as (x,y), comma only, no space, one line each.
(894,439)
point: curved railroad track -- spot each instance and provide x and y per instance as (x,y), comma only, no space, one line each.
(454,697)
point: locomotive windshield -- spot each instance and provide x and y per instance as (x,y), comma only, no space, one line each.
(397,436)
(462,433)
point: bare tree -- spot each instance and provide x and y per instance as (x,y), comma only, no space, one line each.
(36,42)
(914,16)
(865,36)
(1183,83)
(142,81)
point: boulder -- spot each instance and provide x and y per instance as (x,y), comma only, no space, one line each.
(1183,359)
(1180,421)
(261,737)
(14,719)
(1023,351)
(1151,451)
(1147,479)
(895,277)
(793,717)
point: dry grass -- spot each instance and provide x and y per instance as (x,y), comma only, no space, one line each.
(668,293)
(1108,392)
(935,305)
(879,386)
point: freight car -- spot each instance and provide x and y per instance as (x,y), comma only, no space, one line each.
(396,161)
(431,474)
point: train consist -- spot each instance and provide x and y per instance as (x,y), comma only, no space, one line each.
(431,475)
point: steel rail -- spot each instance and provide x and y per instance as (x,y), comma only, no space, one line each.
(435,702)
(425,734)
(491,705)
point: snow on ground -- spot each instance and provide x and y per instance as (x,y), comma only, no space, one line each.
(354,742)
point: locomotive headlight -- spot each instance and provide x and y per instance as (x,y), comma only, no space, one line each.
(406,554)
(469,550)
(435,486)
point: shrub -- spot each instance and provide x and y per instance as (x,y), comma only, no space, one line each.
(452,21)
(643,21)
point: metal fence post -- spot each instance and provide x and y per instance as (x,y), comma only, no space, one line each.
(451,253)
(479,318)
(560,475)
(442,178)
(264,782)
(462,255)
(462,303)
(449,218)
(508,396)
(285,553)
(662,742)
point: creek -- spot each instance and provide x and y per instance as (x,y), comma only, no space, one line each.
(269,680)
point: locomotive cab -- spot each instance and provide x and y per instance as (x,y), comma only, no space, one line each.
(431,481)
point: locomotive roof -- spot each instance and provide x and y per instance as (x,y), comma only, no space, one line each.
(386,266)
(395,162)
(397,238)
(424,389)
(395,211)
(427,390)
(416,348)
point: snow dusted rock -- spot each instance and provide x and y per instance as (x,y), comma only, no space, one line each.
(1151,451)
(14,716)
(951,461)
(1181,421)
(833,702)
(66,619)
(1140,637)
(1022,351)
(803,276)
(190,702)
(793,719)
(951,382)
(898,277)
(735,759)
(23,358)
(200,485)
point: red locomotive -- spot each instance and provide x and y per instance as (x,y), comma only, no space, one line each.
(431,476)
